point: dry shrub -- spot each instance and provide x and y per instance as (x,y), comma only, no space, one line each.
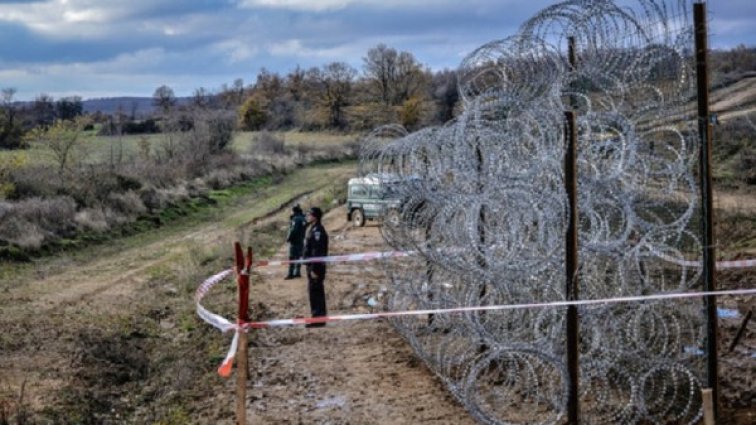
(30,222)
(53,215)
(128,203)
(197,188)
(20,232)
(92,219)
(219,179)
(176,195)
(115,218)
(268,144)
(35,181)
(156,199)
(746,166)
(5,209)
(152,199)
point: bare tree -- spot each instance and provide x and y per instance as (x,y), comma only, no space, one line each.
(393,77)
(134,106)
(445,94)
(232,97)
(296,84)
(68,108)
(410,79)
(164,98)
(64,141)
(335,81)
(201,98)
(43,110)
(238,91)
(11,133)
(380,70)
(7,96)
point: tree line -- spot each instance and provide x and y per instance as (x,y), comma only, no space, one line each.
(391,87)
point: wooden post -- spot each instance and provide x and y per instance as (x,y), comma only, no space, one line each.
(708,406)
(243,267)
(707,207)
(571,253)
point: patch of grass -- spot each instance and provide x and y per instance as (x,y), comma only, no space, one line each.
(736,232)
(13,407)
(244,141)
(176,415)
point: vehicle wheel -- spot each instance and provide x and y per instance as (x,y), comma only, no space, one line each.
(392,218)
(358,218)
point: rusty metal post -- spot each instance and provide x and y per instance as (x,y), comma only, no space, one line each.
(571,251)
(243,267)
(571,267)
(707,207)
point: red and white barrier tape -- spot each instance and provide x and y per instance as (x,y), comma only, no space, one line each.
(364,256)
(372,316)
(376,255)
(225,325)
(733,264)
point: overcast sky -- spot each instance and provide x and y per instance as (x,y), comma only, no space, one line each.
(103,48)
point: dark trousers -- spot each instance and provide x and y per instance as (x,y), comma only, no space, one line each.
(295,253)
(316,291)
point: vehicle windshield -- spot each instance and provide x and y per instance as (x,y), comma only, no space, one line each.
(389,190)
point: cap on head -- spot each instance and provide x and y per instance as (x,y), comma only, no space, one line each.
(316,212)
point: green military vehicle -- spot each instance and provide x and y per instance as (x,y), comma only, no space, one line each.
(372,198)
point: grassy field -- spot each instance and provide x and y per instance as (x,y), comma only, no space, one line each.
(102,149)
(244,141)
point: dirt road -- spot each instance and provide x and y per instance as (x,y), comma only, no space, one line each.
(359,373)
(111,336)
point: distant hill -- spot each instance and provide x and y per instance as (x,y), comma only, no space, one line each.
(139,106)
(127,105)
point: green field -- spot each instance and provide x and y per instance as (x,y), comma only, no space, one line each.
(102,149)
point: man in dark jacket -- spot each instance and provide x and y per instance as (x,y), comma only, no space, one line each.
(295,238)
(316,245)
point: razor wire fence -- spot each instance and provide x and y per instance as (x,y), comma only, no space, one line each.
(493,181)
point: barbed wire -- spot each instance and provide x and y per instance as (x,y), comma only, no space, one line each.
(491,180)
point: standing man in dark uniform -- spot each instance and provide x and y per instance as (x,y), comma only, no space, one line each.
(316,245)
(295,238)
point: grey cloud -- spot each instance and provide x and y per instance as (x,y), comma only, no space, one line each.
(211,42)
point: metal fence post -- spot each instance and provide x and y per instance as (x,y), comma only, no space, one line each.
(707,224)
(571,252)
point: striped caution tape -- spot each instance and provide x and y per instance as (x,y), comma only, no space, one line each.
(365,256)
(733,264)
(502,307)
(225,325)
(377,255)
